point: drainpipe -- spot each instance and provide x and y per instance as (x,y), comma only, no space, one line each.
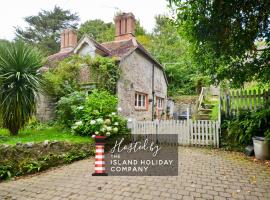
(153,92)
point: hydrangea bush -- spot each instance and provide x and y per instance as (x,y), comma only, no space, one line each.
(95,115)
(66,106)
(100,125)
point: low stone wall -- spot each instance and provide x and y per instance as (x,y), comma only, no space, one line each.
(34,157)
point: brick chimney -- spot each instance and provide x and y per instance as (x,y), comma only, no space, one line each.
(68,39)
(124,26)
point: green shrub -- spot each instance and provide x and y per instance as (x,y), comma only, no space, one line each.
(241,129)
(67,105)
(35,124)
(5,172)
(91,114)
(98,116)
(101,101)
(63,78)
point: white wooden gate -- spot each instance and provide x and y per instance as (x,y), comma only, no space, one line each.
(194,133)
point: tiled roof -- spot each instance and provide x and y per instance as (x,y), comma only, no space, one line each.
(119,48)
(59,56)
(124,47)
(55,58)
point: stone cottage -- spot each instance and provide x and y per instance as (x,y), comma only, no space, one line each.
(142,87)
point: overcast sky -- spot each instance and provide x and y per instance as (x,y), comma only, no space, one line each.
(13,11)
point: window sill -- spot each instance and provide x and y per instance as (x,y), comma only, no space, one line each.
(140,109)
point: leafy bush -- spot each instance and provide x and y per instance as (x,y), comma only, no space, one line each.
(66,105)
(63,78)
(101,101)
(97,124)
(248,124)
(91,114)
(5,171)
(98,116)
(35,124)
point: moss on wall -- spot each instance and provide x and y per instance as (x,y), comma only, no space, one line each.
(34,157)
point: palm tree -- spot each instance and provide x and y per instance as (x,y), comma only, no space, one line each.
(20,81)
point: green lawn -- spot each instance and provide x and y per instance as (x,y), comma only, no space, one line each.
(30,135)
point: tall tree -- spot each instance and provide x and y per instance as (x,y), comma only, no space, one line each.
(44,28)
(176,54)
(98,30)
(225,34)
(20,80)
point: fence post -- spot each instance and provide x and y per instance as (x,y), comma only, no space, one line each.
(188,125)
(133,129)
(218,131)
(228,105)
(156,126)
(219,108)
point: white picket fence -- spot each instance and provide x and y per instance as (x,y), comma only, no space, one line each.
(193,133)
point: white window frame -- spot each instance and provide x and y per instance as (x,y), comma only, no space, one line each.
(160,103)
(140,100)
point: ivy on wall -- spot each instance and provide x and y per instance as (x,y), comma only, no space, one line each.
(64,77)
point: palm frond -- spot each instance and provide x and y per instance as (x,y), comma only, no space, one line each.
(20,81)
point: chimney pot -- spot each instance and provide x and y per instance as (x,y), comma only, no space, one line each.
(124,26)
(68,40)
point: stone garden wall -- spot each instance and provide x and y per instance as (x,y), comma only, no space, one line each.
(32,157)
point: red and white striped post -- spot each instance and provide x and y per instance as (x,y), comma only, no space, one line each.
(100,157)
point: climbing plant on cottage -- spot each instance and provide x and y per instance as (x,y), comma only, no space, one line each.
(75,71)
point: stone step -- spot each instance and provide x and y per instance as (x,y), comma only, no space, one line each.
(208,106)
(203,110)
(203,117)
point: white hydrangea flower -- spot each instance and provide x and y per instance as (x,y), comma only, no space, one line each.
(79,123)
(116,123)
(113,113)
(92,122)
(108,133)
(96,132)
(102,129)
(80,107)
(109,128)
(107,121)
(99,120)
(115,129)
(74,127)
